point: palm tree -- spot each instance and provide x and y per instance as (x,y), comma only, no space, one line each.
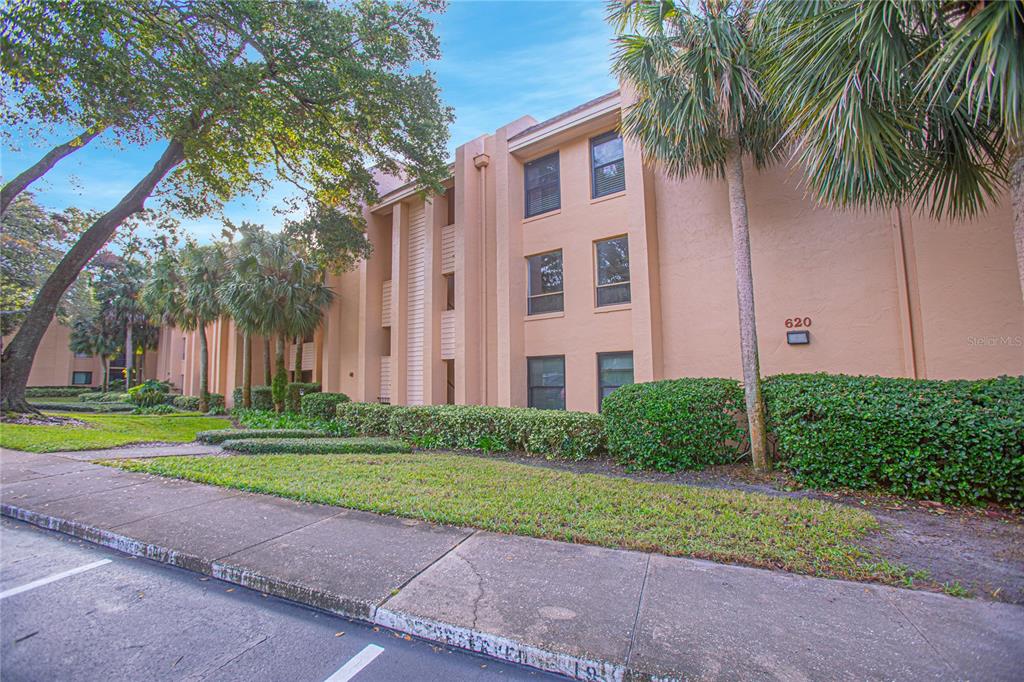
(245,299)
(96,336)
(916,102)
(183,290)
(306,311)
(699,109)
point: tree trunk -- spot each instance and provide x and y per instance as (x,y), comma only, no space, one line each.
(129,357)
(297,374)
(246,371)
(105,364)
(279,371)
(745,299)
(19,353)
(1017,194)
(21,181)
(268,375)
(204,371)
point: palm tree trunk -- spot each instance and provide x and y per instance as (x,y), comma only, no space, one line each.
(21,351)
(1017,193)
(129,356)
(745,299)
(204,370)
(280,376)
(297,375)
(105,364)
(268,376)
(41,167)
(246,371)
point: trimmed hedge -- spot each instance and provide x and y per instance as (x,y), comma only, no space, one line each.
(149,393)
(220,435)
(549,433)
(956,441)
(675,424)
(56,391)
(86,407)
(262,399)
(111,397)
(190,403)
(317,446)
(322,405)
(295,391)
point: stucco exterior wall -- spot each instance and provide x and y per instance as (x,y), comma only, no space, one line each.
(892,293)
(54,362)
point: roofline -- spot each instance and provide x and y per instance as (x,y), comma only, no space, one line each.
(596,107)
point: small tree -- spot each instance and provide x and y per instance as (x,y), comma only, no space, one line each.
(96,336)
(700,110)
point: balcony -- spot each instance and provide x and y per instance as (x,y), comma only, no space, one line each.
(447,249)
(385,305)
(448,335)
(385,379)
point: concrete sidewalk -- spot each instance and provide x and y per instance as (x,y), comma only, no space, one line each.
(585,612)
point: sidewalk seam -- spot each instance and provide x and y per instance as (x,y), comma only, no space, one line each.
(276,537)
(420,572)
(636,618)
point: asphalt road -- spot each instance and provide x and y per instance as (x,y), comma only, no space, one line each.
(73,611)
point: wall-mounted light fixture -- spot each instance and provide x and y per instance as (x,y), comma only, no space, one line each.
(798,338)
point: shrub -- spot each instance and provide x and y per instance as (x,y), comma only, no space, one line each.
(365,419)
(262,398)
(296,390)
(674,424)
(104,397)
(322,405)
(88,407)
(549,433)
(189,403)
(221,435)
(317,446)
(279,387)
(148,393)
(56,391)
(162,408)
(956,441)
(268,419)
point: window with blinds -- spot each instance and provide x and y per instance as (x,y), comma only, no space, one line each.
(613,370)
(541,184)
(611,260)
(544,292)
(545,378)
(608,170)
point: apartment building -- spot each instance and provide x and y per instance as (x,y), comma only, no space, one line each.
(558,265)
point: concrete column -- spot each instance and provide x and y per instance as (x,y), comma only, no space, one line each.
(510,361)
(399,300)
(370,339)
(469,301)
(434,387)
(644,273)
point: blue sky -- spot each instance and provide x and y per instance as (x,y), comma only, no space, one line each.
(501,60)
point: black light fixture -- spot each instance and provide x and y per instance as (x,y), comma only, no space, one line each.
(798,338)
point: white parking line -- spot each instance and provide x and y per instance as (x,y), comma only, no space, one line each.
(52,578)
(356,663)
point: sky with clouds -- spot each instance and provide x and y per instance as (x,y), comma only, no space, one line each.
(501,60)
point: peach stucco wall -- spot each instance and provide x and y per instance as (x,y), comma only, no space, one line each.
(54,362)
(893,293)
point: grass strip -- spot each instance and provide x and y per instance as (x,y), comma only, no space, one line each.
(319,446)
(106,431)
(801,535)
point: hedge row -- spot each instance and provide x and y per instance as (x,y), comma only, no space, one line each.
(958,441)
(322,405)
(87,407)
(190,403)
(55,391)
(294,393)
(549,433)
(110,397)
(675,424)
(262,398)
(317,446)
(220,435)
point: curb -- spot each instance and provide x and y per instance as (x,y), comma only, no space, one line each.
(480,643)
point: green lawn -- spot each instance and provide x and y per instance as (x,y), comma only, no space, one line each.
(107,431)
(806,536)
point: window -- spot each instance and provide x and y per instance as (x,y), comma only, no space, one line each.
(541,180)
(546,382)
(612,260)
(82,355)
(607,169)
(81,378)
(449,289)
(545,285)
(613,370)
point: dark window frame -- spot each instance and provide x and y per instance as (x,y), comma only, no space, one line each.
(449,291)
(594,168)
(526,185)
(530,296)
(88,376)
(597,275)
(600,384)
(530,388)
